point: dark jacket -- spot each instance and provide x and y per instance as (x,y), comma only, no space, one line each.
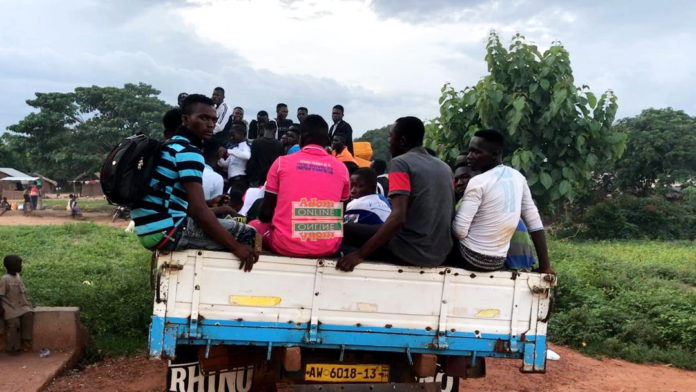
(344,129)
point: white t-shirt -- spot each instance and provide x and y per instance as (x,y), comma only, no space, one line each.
(491,209)
(223,113)
(212,183)
(369,210)
(236,160)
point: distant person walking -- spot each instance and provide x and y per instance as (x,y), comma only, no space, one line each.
(34,194)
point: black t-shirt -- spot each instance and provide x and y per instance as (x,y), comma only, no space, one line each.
(263,153)
(283,127)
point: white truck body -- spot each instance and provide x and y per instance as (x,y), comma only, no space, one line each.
(204,298)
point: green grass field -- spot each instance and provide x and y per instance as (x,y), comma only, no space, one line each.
(91,205)
(101,269)
(630,299)
(635,300)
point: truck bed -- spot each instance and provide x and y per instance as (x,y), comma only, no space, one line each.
(203,298)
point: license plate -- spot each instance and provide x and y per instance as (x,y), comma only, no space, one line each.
(346,373)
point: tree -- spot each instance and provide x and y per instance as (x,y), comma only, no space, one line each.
(660,151)
(71,133)
(556,133)
(379,139)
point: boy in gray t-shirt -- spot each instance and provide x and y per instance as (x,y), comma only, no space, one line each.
(15,309)
(417,232)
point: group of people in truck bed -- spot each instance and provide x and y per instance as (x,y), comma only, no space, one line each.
(301,211)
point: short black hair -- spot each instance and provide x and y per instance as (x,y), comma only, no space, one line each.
(172,120)
(314,130)
(262,113)
(222,90)
(412,129)
(340,137)
(280,105)
(339,107)
(239,128)
(194,99)
(492,136)
(178,97)
(271,126)
(368,175)
(352,167)
(379,166)
(210,148)
(302,108)
(238,107)
(11,259)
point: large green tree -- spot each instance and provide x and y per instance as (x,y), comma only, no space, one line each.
(70,133)
(556,133)
(660,151)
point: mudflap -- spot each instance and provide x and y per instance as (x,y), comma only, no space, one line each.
(427,387)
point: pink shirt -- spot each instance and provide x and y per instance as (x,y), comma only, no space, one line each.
(308,218)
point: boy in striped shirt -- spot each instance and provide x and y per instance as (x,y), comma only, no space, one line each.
(174,215)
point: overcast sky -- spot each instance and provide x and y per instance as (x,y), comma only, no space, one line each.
(381,59)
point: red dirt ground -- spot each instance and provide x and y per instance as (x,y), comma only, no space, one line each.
(574,372)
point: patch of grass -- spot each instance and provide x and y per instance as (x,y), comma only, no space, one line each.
(101,269)
(630,299)
(86,205)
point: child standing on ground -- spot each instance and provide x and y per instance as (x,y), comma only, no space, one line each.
(15,309)
(74,209)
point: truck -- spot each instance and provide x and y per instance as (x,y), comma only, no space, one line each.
(298,324)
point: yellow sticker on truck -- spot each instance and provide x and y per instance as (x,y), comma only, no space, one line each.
(327,372)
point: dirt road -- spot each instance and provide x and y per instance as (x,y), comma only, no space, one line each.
(53,217)
(574,372)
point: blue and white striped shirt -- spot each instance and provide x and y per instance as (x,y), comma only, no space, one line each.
(166,203)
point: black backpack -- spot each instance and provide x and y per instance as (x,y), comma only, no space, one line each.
(126,171)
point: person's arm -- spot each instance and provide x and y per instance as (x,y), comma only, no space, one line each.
(241,152)
(531,218)
(270,200)
(386,232)
(539,240)
(222,119)
(3,292)
(467,210)
(206,219)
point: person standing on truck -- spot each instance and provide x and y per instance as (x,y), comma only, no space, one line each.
(173,214)
(302,210)
(491,208)
(417,232)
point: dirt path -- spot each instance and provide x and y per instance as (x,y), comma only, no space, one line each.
(53,217)
(574,372)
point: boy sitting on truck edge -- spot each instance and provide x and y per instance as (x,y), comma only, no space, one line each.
(174,215)
(367,206)
(14,307)
(417,232)
(492,205)
(302,210)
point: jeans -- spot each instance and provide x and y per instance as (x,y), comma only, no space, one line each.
(191,236)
